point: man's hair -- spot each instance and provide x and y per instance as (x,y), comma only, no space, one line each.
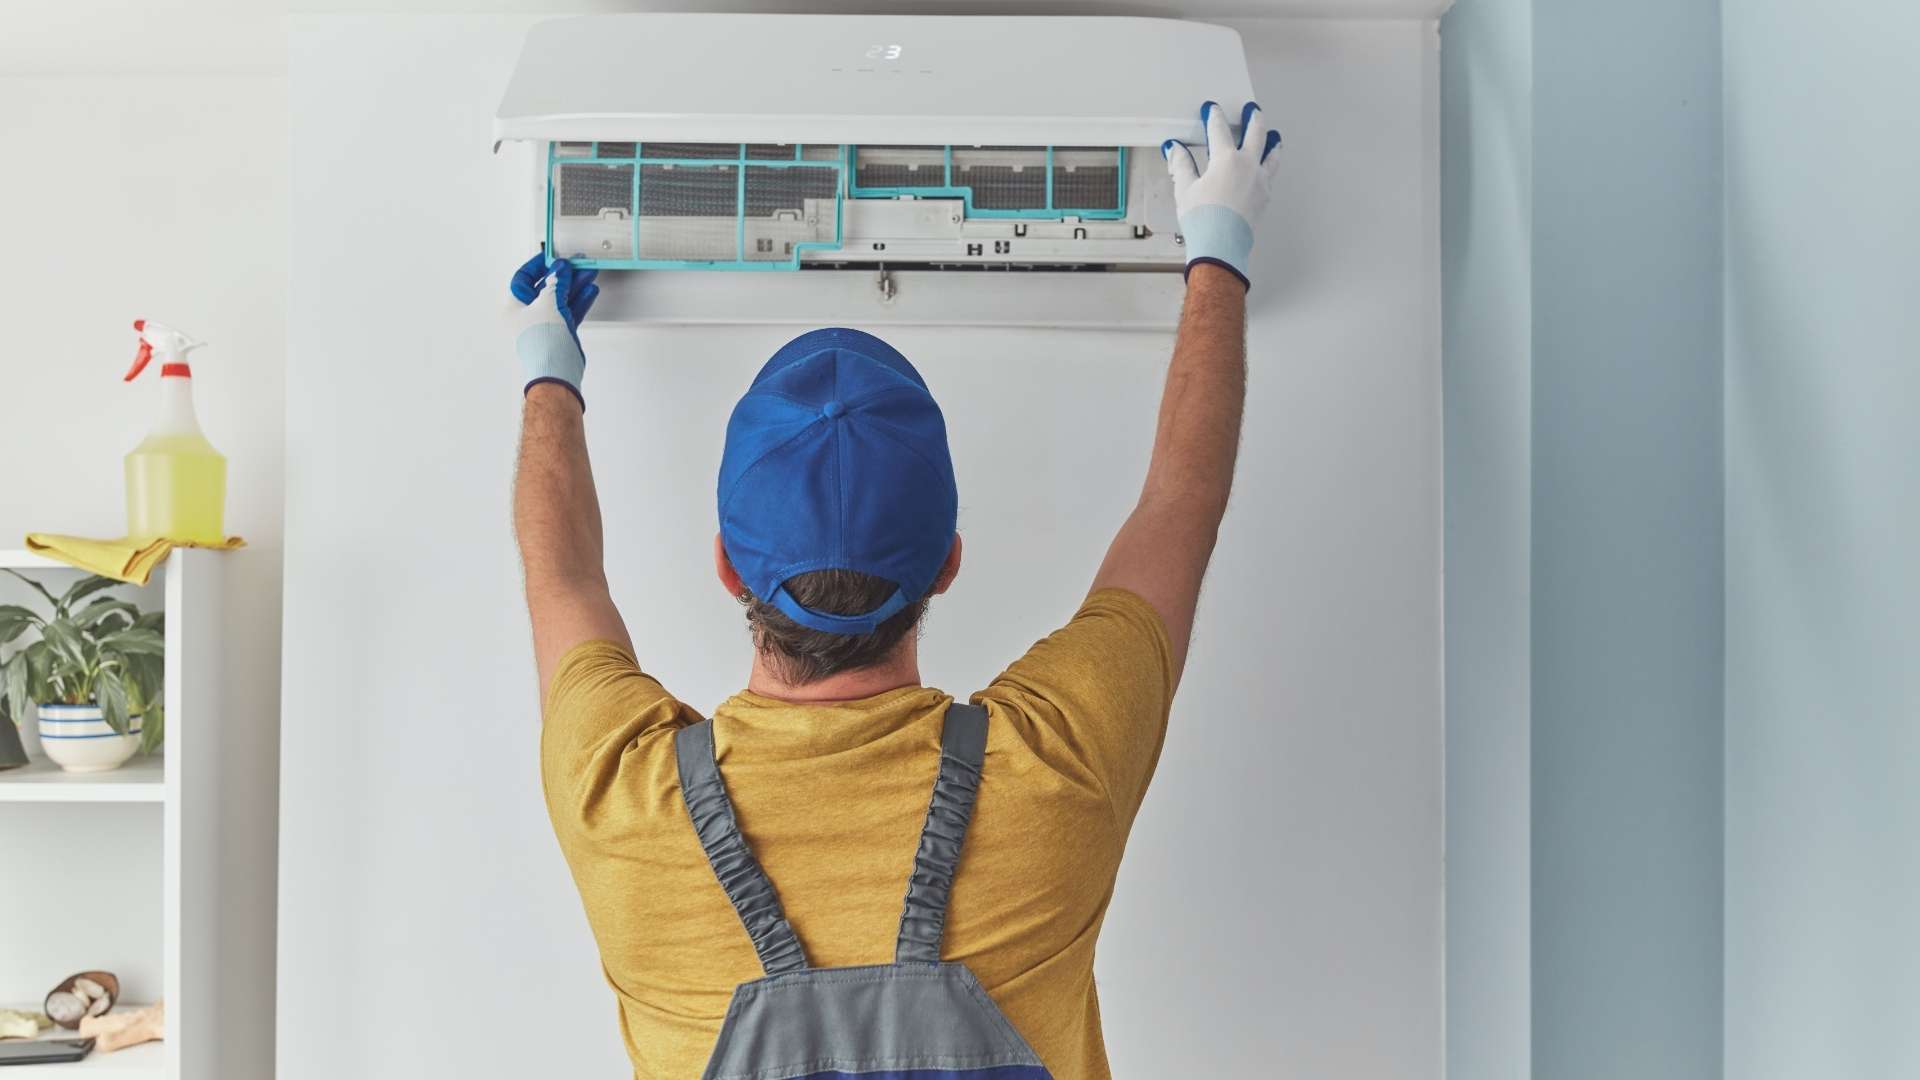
(800,654)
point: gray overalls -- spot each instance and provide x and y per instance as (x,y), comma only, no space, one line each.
(918,1018)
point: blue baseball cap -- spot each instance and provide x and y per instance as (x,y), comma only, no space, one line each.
(836,459)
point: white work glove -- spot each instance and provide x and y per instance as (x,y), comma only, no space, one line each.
(1219,208)
(548,339)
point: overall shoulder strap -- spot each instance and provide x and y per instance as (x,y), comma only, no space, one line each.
(746,885)
(963,746)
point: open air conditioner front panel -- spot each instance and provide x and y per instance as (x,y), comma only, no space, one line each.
(828,142)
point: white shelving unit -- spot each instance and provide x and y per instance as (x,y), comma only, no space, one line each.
(217,967)
(142,780)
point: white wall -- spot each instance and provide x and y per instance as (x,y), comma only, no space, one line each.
(1626,620)
(1822,508)
(1584,616)
(1486,49)
(1280,908)
(135,188)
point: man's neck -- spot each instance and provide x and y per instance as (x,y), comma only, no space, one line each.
(900,669)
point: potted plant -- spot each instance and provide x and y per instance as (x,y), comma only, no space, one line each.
(95,673)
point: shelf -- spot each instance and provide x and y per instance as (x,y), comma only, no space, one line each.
(22,559)
(147,1061)
(140,780)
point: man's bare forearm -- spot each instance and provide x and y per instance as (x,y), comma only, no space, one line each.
(1161,552)
(1198,435)
(556,512)
(556,516)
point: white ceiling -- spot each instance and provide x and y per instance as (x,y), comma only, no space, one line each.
(147,37)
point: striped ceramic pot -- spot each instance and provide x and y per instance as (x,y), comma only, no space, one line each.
(77,738)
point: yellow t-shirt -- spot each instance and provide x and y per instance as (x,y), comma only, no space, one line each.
(830,798)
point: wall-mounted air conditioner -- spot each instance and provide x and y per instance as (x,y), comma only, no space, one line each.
(931,169)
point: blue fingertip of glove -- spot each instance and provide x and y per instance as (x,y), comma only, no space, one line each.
(525,285)
(585,292)
(575,289)
(581,292)
(574,293)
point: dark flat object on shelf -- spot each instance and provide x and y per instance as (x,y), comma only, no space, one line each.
(44,1051)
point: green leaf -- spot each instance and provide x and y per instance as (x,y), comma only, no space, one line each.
(37,587)
(153,679)
(134,641)
(15,619)
(17,673)
(151,620)
(84,588)
(153,729)
(55,678)
(39,669)
(113,703)
(68,646)
(101,608)
(139,669)
(143,681)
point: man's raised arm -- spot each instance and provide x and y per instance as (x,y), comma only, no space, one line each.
(1161,553)
(556,513)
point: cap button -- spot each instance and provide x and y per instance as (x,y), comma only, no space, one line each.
(832,409)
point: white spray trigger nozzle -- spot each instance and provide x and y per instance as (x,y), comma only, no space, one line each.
(171,344)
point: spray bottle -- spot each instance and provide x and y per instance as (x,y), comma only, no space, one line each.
(176,480)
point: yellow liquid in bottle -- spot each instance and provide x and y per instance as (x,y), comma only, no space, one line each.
(177,489)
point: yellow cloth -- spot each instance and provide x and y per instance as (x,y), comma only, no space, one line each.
(124,558)
(830,798)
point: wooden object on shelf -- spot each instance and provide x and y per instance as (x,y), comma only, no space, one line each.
(78,998)
(117,1031)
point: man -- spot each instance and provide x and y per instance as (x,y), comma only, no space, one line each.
(837,506)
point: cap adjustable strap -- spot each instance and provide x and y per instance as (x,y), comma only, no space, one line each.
(865,623)
(746,885)
(963,746)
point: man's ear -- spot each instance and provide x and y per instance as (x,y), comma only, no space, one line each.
(729,577)
(948,570)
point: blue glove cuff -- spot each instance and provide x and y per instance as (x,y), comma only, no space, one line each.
(571,389)
(549,353)
(1217,234)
